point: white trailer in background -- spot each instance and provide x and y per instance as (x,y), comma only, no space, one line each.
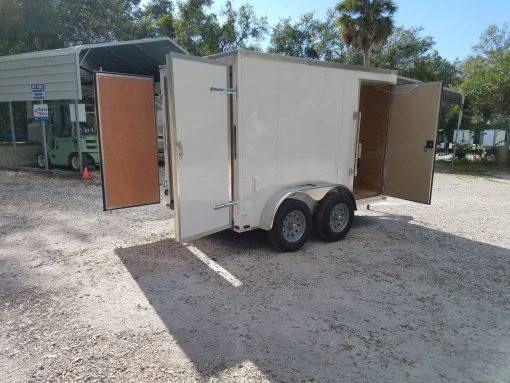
(463,136)
(258,141)
(492,137)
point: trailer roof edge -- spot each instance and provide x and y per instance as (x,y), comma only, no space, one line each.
(300,60)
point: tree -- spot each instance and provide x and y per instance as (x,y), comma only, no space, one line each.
(32,25)
(156,19)
(241,28)
(201,33)
(308,37)
(486,79)
(414,56)
(93,21)
(196,29)
(24,26)
(487,89)
(363,23)
(494,42)
(411,55)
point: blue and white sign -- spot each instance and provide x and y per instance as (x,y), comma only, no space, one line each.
(41,112)
(38,91)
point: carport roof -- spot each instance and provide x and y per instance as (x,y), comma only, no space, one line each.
(141,57)
(63,71)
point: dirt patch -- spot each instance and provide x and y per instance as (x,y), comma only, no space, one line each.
(414,293)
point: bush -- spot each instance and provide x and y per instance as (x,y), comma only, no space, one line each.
(464,148)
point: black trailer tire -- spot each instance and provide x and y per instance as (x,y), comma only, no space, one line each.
(292,225)
(334,217)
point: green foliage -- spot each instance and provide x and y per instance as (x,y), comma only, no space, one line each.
(493,43)
(308,37)
(193,26)
(24,26)
(464,148)
(196,29)
(19,113)
(411,54)
(414,56)
(486,80)
(156,19)
(241,28)
(484,167)
(363,23)
(31,25)
(449,119)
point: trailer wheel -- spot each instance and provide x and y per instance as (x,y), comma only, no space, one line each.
(291,226)
(334,217)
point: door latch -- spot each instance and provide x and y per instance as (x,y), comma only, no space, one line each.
(429,144)
(217,89)
(226,204)
(180,150)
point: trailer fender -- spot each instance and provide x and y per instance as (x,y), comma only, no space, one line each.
(310,194)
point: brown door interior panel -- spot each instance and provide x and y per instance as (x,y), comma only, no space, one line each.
(374,108)
(127,132)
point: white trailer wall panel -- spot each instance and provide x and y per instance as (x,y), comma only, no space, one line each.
(57,70)
(463,136)
(294,122)
(492,137)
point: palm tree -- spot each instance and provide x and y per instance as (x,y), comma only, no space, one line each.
(363,23)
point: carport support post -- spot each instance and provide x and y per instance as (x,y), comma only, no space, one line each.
(45,146)
(458,128)
(77,119)
(13,135)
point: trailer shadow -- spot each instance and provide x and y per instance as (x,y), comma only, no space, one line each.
(394,300)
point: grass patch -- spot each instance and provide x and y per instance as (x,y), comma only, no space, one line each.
(475,168)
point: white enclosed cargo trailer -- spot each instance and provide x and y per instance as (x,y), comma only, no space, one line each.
(492,137)
(258,141)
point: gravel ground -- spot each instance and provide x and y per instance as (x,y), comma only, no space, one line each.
(413,294)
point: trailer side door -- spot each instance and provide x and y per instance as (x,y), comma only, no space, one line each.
(200,145)
(410,148)
(127,137)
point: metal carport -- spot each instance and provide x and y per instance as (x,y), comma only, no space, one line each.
(67,73)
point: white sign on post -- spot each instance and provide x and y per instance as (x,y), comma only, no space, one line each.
(38,91)
(81,113)
(41,112)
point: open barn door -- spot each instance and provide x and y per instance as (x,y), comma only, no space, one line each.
(410,150)
(200,145)
(127,135)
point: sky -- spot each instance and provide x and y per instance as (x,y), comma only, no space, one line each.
(455,25)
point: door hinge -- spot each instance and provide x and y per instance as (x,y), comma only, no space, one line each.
(234,142)
(351,171)
(356,115)
(225,204)
(215,89)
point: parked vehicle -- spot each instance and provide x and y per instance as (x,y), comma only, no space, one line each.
(257,141)
(62,139)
